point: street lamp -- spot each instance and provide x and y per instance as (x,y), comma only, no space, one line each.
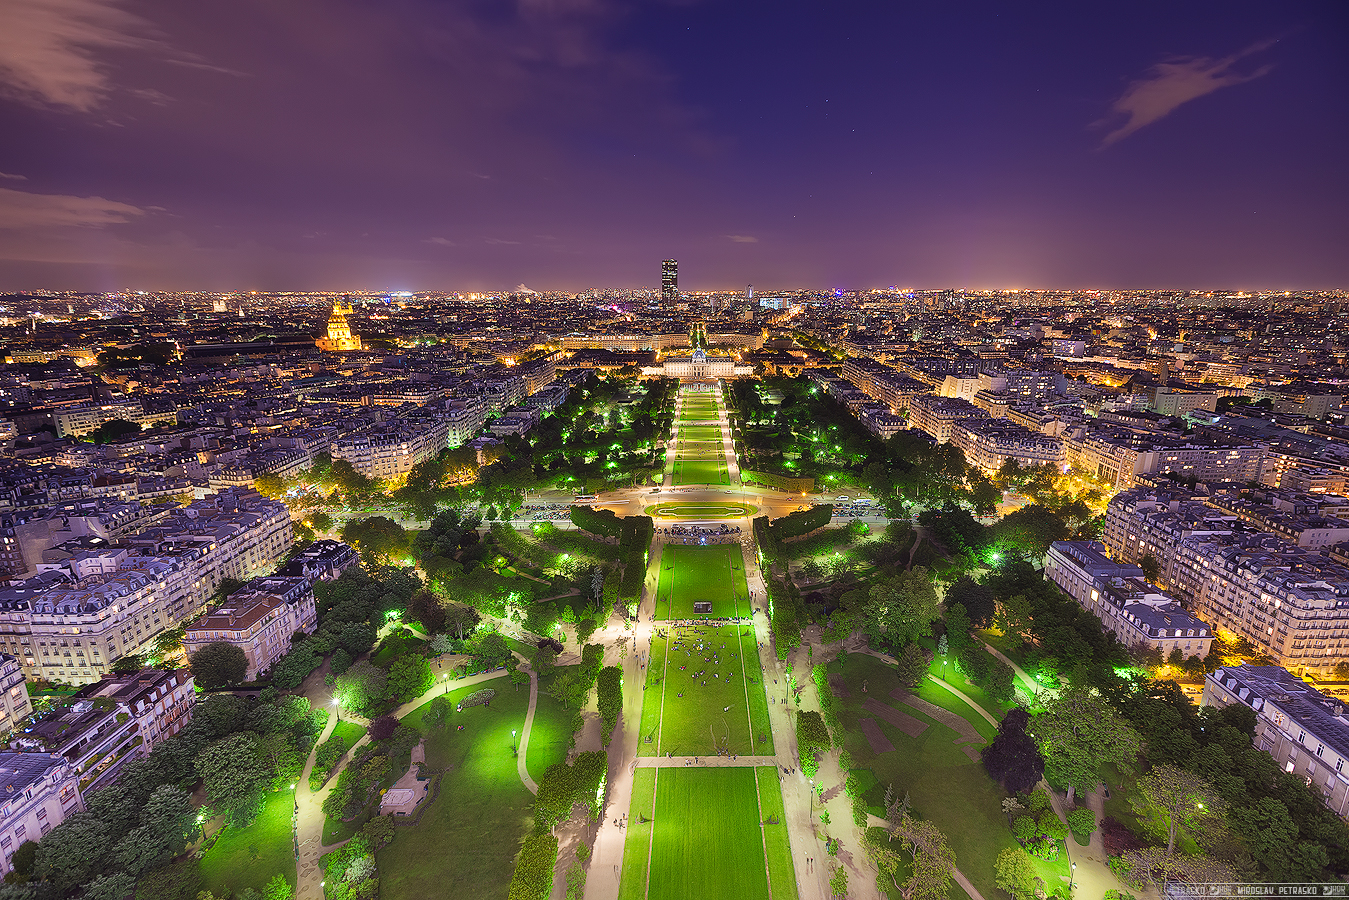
(1071,874)
(337,706)
(512,740)
(446,683)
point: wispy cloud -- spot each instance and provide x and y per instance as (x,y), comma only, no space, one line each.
(9,177)
(1170,84)
(439,241)
(48,49)
(500,242)
(742,238)
(20,210)
(52,51)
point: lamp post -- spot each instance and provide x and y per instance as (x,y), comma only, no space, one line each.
(338,707)
(1071,874)
(512,740)
(444,680)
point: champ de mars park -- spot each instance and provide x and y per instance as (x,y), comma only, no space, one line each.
(714,639)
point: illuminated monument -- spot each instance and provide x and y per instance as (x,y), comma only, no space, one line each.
(339,339)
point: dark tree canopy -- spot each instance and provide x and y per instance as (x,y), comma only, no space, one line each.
(1013,759)
(219,664)
(978,600)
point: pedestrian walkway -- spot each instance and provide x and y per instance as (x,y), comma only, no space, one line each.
(309,816)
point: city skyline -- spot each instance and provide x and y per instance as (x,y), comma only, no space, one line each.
(566,146)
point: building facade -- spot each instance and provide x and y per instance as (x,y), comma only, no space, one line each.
(259,619)
(39,791)
(1305,731)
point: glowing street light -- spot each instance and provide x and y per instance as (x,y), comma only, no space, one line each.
(337,706)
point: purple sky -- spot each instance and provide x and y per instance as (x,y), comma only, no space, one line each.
(462,144)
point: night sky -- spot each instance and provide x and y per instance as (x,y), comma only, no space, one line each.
(410,144)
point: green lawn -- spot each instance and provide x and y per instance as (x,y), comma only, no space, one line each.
(705,510)
(690,573)
(637,844)
(245,858)
(467,840)
(701,471)
(781,869)
(944,784)
(712,705)
(550,735)
(691,715)
(700,433)
(706,839)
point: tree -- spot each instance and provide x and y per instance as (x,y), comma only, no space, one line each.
(900,610)
(584,629)
(425,607)
(383,727)
(838,882)
(1082,821)
(1013,759)
(278,888)
(378,539)
(1150,566)
(321,521)
(113,429)
(978,600)
(911,665)
(219,664)
(1078,733)
(234,776)
(363,685)
(410,676)
(69,853)
(1014,872)
(1154,866)
(437,712)
(957,628)
(1181,799)
(933,859)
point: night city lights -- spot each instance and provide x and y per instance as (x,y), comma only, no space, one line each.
(587,450)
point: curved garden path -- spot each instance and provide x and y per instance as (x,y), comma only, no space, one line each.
(523,755)
(309,818)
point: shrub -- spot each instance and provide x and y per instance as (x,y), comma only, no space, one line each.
(1023,828)
(1051,826)
(1038,802)
(1082,821)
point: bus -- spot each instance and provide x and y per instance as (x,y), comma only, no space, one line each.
(586,498)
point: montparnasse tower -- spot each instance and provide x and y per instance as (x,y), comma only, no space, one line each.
(339,339)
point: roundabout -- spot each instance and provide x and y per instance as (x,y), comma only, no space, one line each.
(692,509)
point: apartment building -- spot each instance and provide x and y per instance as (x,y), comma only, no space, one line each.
(1305,731)
(391,449)
(1289,601)
(1118,456)
(883,383)
(938,415)
(15,704)
(323,560)
(1141,617)
(260,619)
(988,443)
(111,722)
(71,620)
(39,791)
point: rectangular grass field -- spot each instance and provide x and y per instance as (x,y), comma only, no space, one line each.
(706,840)
(690,574)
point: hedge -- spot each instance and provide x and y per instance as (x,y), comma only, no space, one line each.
(609,698)
(812,740)
(801,522)
(533,878)
(597,521)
